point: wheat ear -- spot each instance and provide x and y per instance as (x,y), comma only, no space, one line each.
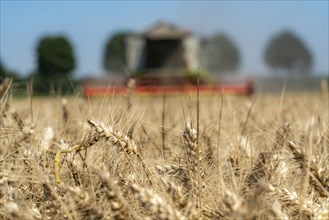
(323,211)
(194,153)
(318,181)
(85,204)
(16,213)
(276,210)
(115,198)
(123,142)
(156,204)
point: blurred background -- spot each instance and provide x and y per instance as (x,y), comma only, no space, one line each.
(272,43)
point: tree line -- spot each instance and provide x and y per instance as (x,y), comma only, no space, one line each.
(56,60)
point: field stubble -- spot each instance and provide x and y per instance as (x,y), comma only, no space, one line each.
(262,157)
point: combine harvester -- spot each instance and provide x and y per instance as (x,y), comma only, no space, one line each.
(152,86)
(166,58)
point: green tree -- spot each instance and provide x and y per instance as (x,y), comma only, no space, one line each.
(55,60)
(55,56)
(114,59)
(3,72)
(286,52)
(220,53)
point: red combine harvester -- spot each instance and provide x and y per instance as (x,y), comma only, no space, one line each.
(171,86)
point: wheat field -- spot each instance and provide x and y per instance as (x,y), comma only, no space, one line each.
(170,157)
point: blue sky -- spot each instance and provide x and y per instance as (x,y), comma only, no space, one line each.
(88,25)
